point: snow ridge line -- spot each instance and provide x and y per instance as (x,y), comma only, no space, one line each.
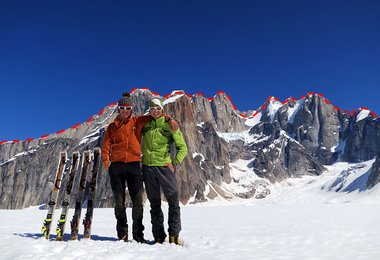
(180,92)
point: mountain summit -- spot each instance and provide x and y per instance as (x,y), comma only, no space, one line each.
(232,154)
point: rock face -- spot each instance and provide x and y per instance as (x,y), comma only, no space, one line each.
(281,141)
(363,139)
(315,125)
(28,168)
(198,119)
(280,157)
(374,177)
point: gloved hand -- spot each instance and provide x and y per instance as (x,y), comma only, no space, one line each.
(172,123)
(171,167)
(106,165)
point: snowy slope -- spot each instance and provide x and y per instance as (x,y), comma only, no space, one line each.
(263,230)
(303,218)
(259,231)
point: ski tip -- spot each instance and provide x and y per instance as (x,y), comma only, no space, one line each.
(63,155)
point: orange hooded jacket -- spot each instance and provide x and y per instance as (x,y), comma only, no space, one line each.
(122,140)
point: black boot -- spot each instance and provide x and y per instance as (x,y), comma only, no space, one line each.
(159,240)
(139,239)
(123,237)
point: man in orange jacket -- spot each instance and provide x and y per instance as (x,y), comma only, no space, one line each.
(121,152)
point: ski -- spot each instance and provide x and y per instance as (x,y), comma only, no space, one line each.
(79,196)
(60,230)
(87,221)
(54,195)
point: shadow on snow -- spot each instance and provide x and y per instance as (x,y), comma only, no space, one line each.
(66,237)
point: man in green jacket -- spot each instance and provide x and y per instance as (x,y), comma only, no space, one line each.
(159,171)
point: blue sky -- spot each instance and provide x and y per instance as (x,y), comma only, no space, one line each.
(61,61)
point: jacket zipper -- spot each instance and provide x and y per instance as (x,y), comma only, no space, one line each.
(151,141)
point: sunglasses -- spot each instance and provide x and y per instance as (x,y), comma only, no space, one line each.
(155,108)
(127,108)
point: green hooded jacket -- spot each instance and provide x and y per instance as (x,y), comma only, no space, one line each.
(157,141)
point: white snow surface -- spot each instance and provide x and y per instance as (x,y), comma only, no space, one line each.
(273,107)
(30,151)
(243,177)
(364,113)
(254,120)
(292,111)
(243,136)
(300,219)
(90,137)
(202,160)
(174,97)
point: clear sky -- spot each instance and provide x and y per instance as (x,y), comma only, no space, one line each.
(61,61)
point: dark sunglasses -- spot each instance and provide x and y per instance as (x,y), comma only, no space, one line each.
(155,108)
(127,108)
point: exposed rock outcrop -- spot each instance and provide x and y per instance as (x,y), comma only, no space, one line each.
(374,177)
(282,141)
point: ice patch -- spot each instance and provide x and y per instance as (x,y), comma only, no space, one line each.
(243,136)
(91,137)
(254,120)
(273,107)
(364,113)
(292,111)
(202,160)
(245,181)
(18,155)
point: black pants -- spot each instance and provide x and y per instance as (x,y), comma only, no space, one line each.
(154,178)
(130,173)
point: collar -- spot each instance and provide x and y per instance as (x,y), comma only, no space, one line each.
(119,121)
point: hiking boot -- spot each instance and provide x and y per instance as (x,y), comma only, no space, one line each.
(175,240)
(123,237)
(139,239)
(159,240)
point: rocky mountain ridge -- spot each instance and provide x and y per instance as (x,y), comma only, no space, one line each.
(279,140)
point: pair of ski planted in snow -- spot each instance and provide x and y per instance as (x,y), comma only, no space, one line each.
(84,186)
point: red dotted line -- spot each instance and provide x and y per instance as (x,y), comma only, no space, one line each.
(373,114)
(255,113)
(75,126)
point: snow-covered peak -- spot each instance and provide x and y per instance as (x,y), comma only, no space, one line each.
(273,99)
(292,111)
(140,91)
(273,106)
(364,113)
(176,94)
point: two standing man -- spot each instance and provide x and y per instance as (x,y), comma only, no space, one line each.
(121,152)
